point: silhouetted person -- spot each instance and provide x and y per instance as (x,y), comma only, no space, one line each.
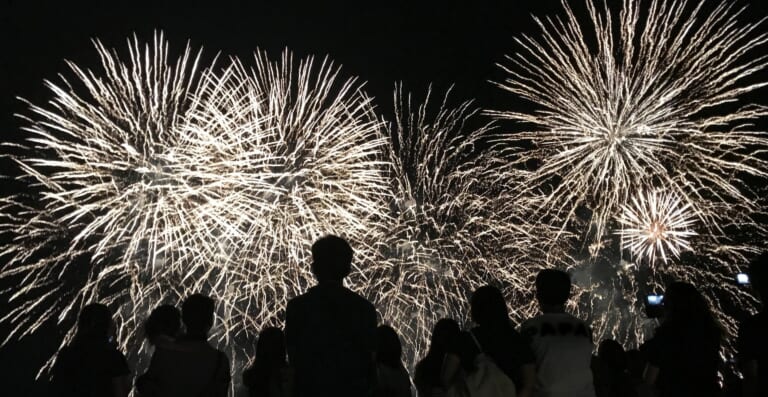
(427,373)
(91,365)
(161,330)
(497,338)
(269,376)
(392,378)
(683,355)
(636,364)
(163,325)
(610,371)
(752,343)
(331,331)
(191,366)
(561,342)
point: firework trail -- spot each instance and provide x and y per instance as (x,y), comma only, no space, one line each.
(447,235)
(152,180)
(103,207)
(308,156)
(632,102)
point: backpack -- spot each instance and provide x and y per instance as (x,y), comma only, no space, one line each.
(487,379)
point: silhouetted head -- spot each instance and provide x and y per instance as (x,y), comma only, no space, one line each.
(443,334)
(197,314)
(164,320)
(270,348)
(94,323)
(388,347)
(758,275)
(488,307)
(685,306)
(331,259)
(553,287)
(612,354)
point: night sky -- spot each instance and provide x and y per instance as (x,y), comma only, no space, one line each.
(418,43)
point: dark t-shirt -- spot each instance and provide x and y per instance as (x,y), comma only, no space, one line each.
(687,358)
(85,369)
(508,349)
(189,367)
(752,344)
(426,376)
(331,337)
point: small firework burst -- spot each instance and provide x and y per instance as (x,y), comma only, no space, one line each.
(655,225)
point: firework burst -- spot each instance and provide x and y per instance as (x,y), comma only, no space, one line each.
(154,180)
(654,225)
(644,104)
(447,235)
(626,103)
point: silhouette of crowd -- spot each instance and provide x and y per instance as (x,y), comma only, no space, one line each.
(332,345)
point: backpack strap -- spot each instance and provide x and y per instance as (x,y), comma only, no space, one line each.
(477,343)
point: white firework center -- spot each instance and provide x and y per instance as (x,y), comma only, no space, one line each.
(656,224)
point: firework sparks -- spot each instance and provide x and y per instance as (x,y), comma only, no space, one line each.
(627,102)
(160,180)
(644,109)
(446,237)
(654,225)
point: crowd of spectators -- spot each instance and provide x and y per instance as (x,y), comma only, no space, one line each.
(332,345)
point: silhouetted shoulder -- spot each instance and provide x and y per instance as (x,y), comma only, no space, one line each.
(88,368)
(358,300)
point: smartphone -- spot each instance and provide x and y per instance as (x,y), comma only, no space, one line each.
(655,300)
(654,306)
(742,279)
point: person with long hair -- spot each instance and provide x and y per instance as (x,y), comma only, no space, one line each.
(160,330)
(683,355)
(269,376)
(494,337)
(427,373)
(392,378)
(91,365)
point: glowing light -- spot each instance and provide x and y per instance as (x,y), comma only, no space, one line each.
(448,233)
(153,179)
(625,102)
(654,225)
(642,105)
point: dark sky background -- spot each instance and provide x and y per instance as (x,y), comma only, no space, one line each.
(416,42)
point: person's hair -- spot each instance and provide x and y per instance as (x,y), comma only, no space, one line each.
(164,320)
(270,348)
(446,330)
(553,287)
(331,258)
(612,354)
(758,276)
(197,314)
(488,307)
(685,307)
(93,323)
(270,357)
(388,348)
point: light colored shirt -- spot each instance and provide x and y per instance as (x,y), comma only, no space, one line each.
(563,346)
